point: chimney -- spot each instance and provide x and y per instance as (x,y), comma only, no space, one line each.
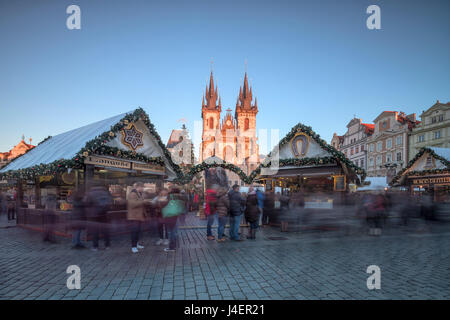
(411,117)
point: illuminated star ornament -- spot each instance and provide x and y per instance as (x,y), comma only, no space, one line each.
(132,138)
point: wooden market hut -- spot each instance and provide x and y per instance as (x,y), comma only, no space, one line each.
(116,152)
(427,173)
(308,165)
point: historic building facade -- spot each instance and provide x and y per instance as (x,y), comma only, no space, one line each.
(181,148)
(234,138)
(387,147)
(18,150)
(433,130)
(353,142)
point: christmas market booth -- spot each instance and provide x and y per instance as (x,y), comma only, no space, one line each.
(428,173)
(305,167)
(116,153)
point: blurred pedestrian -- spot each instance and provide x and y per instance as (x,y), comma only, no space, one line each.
(158,203)
(210,210)
(176,206)
(78,219)
(236,210)
(252,213)
(268,208)
(260,196)
(49,218)
(136,214)
(98,201)
(223,208)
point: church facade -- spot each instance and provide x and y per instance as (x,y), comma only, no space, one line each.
(233,137)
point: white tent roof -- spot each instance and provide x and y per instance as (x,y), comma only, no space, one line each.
(443,152)
(376,183)
(62,146)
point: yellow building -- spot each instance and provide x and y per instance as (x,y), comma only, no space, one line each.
(433,130)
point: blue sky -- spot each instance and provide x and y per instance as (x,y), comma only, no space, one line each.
(309,61)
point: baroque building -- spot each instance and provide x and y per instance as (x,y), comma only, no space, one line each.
(233,138)
(432,131)
(18,150)
(353,142)
(387,147)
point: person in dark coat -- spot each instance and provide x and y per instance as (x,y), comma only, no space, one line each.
(268,207)
(98,202)
(78,219)
(236,210)
(252,212)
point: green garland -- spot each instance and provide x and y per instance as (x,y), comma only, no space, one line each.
(421,152)
(98,146)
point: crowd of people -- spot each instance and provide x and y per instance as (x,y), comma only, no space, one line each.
(167,208)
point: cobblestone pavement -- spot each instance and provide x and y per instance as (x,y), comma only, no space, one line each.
(305,265)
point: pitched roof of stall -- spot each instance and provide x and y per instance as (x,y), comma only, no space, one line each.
(62,146)
(67,145)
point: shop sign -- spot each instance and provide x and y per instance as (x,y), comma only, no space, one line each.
(300,144)
(431,180)
(132,137)
(147,167)
(107,162)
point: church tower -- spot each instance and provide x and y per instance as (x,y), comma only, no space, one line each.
(211,119)
(248,149)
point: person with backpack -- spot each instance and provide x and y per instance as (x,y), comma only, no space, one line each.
(175,207)
(236,209)
(136,214)
(98,201)
(210,210)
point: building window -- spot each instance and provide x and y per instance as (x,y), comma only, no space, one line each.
(356,162)
(379,145)
(388,157)
(437,134)
(384,124)
(371,147)
(389,143)
(246,124)
(398,140)
(433,120)
(351,151)
(399,156)
(211,123)
(441,118)
(357,149)
(370,162)
(362,148)
(362,163)
(378,160)
(421,138)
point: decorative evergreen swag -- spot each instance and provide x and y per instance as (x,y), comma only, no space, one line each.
(98,146)
(337,156)
(421,152)
(203,166)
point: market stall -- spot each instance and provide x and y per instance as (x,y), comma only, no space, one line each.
(305,167)
(427,174)
(115,153)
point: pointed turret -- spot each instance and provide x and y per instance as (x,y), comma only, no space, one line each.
(245,95)
(211,94)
